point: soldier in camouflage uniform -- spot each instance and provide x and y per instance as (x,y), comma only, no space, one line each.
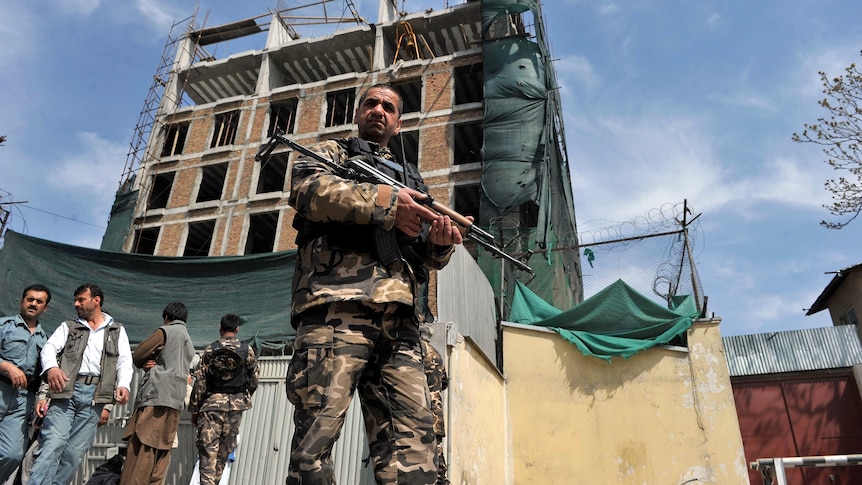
(219,396)
(438,381)
(357,315)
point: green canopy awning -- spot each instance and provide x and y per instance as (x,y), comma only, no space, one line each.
(617,321)
(137,287)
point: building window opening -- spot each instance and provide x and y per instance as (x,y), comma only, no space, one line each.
(199,238)
(160,191)
(339,107)
(468,143)
(261,233)
(273,173)
(225,129)
(467,200)
(848,317)
(175,139)
(405,146)
(411,93)
(212,182)
(145,240)
(282,116)
(469,82)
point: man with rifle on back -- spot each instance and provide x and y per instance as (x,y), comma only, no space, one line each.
(363,250)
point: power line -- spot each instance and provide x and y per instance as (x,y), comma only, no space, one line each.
(62,216)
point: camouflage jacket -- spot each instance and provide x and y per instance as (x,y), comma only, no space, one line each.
(326,273)
(201,400)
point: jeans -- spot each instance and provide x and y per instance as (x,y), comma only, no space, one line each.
(67,434)
(15,405)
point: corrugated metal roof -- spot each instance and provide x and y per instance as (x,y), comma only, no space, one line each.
(793,351)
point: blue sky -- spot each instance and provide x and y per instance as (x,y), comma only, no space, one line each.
(663,101)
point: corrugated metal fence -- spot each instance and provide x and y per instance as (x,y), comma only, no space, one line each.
(465,302)
(265,433)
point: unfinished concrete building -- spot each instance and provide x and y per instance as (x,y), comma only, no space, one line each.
(191,186)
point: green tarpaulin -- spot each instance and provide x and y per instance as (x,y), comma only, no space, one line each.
(137,287)
(617,321)
(526,192)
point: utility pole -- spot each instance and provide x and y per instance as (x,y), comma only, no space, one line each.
(5,214)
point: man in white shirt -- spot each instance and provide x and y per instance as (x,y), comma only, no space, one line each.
(88,364)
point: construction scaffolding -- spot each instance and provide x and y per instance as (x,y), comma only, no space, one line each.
(158,96)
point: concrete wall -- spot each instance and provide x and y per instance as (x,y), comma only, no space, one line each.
(476,423)
(665,416)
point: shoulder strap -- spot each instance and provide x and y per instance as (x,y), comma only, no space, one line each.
(358,146)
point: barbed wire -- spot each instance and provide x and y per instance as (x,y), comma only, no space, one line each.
(655,253)
(667,216)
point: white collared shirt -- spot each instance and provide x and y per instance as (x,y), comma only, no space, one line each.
(92,358)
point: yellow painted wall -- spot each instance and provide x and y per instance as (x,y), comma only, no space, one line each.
(664,416)
(476,424)
(661,417)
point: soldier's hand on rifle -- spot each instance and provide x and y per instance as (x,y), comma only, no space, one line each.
(410,214)
(444,232)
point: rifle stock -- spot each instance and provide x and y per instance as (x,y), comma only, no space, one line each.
(357,168)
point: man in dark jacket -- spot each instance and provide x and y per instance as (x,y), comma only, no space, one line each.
(165,357)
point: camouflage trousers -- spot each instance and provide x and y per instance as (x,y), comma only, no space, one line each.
(217,432)
(373,348)
(442,469)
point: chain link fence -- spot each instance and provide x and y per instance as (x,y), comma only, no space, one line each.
(654,254)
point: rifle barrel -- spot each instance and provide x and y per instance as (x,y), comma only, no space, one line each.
(471,231)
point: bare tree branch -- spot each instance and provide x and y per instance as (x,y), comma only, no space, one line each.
(839,133)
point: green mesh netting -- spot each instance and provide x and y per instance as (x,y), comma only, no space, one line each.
(137,287)
(617,321)
(526,199)
(122,213)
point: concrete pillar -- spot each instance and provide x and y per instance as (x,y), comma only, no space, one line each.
(173,90)
(387,12)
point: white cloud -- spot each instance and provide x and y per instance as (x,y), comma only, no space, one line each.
(786,182)
(713,20)
(160,15)
(623,167)
(91,174)
(608,9)
(17,37)
(745,100)
(832,60)
(576,70)
(82,8)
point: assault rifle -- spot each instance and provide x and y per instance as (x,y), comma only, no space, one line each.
(357,168)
